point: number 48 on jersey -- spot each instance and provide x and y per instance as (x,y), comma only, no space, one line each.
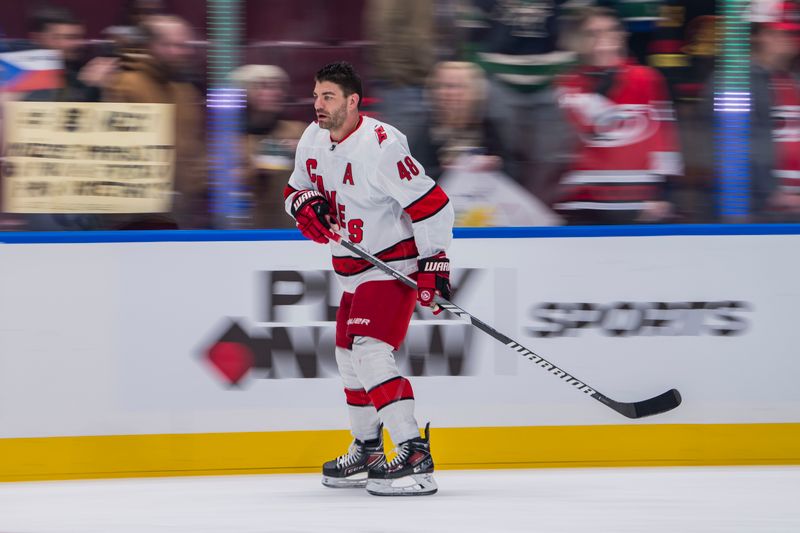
(406,168)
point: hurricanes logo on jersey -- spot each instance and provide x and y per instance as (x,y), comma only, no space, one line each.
(621,125)
(786,123)
(606,124)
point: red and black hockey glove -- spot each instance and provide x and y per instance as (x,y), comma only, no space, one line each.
(433,278)
(311,210)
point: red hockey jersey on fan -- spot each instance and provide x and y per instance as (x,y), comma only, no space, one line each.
(380,195)
(627,139)
(786,131)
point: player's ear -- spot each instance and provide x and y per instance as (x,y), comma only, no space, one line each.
(354,99)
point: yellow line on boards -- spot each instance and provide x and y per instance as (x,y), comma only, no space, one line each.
(25,459)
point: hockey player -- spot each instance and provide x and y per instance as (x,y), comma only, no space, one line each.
(628,144)
(354,177)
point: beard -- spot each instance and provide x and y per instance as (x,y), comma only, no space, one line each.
(334,120)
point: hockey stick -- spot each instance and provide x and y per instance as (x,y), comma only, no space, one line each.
(651,406)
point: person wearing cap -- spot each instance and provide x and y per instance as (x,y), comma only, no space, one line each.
(269,142)
(775,112)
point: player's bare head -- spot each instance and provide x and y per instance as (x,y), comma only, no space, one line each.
(345,76)
(337,94)
(601,37)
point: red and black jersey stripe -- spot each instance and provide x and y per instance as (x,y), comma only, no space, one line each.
(427,205)
(390,391)
(288,191)
(357,397)
(350,266)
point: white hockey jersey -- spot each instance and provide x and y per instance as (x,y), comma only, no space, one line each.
(379,194)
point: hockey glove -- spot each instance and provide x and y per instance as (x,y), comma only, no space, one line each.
(433,278)
(311,210)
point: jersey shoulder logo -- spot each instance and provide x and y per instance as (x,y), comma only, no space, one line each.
(381,133)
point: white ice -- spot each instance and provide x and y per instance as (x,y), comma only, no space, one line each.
(635,500)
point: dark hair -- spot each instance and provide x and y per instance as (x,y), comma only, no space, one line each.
(344,75)
(44,16)
(131,12)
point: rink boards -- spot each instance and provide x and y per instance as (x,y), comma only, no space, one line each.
(117,358)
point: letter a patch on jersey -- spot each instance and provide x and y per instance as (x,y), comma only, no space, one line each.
(348,175)
(381,133)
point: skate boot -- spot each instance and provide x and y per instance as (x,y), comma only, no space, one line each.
(410,473)
(350,469)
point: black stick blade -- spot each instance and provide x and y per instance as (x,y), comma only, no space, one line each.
(660,404)
(652,406)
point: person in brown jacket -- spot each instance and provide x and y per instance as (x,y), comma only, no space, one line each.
(160,75)
(269,142)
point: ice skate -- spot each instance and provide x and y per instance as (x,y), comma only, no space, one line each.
(350,469)
(410,473)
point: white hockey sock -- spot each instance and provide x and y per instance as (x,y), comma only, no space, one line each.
(364,421)
(388,391)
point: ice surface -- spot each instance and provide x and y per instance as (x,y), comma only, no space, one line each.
(635,500)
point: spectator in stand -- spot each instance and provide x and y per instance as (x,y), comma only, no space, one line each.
(461,153)
(159,77)
(7,222)
(775,113)
(269,142)
(516,43)
(628,146)
(404,52)
(56,28)
(457,125)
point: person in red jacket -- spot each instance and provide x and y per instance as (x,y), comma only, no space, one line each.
(775,112)
(627,140)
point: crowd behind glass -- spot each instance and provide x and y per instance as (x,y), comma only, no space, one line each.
(527,113)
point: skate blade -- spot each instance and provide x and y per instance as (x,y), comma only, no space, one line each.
(356,481)
(413,485)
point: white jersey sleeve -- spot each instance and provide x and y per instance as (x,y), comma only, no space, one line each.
(403,178)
